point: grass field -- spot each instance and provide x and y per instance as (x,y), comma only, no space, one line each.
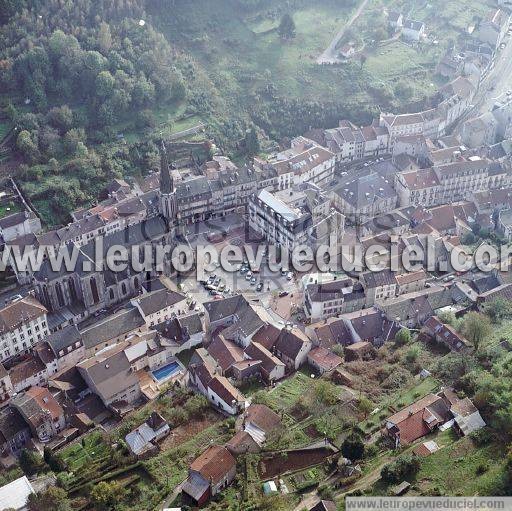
(460,467)
(243,54)
(9,208)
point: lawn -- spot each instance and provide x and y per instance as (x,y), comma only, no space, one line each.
(9,208)
(287,393)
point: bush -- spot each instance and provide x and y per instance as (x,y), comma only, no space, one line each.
(482,437)
(353,447)
(404,467)
(482,468)
(370,451)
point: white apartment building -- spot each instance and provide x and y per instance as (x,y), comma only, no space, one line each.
(23,324)
(305,161)
(450,182)
(290,218)
(349,143)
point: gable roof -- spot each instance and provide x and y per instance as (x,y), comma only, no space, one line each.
(116,325)
(110,371)
(20,311)
(267,336)
(324,358)
(153,302)
(221,309)
(37,405)
(262,417)
(225,390)
(62,339)
(214,464)
(225,352)
(419,418)
(291,342)
(259,352)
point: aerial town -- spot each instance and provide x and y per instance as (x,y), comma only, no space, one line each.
(259,389)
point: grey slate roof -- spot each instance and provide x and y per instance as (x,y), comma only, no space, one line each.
(61,339)
(119,324)
(158,300)
(11,424)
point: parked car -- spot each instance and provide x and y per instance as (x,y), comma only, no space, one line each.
(283,293)
(259,287)
(289,276)
(253,281)
(248,276)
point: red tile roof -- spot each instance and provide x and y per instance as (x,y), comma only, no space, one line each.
(214,463)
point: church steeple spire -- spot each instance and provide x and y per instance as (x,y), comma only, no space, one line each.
(167,195)
(166,180)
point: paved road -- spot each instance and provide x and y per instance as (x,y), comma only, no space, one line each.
(497,83)
(329,54)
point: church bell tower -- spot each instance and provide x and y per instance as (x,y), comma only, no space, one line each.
(168,205)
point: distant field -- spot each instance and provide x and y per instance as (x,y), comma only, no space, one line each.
(242,54)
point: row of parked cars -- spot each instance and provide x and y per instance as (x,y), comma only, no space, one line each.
(250,276)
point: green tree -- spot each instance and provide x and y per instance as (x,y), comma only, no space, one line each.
(27,146)
(54,461)
(252,144)
(403,468)
(287,29)
(272,503)
(404,90)
(72,140)
(105,84)
(365,406)
(498,309)
(447,317)
(61,118)
(104,38)
(402,337)
(353,447)
(105,495)
(476,327)
(326,392)
(31,462)
(52,499)
(412,354)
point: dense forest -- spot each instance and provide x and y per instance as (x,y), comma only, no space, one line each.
(75,75)
(70,80)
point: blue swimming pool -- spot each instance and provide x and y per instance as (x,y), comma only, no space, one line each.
(166,371)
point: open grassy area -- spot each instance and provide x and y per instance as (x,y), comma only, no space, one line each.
(8,208)
(170,466)
(243,54)
(461,467)
(287,393)
(446,19)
